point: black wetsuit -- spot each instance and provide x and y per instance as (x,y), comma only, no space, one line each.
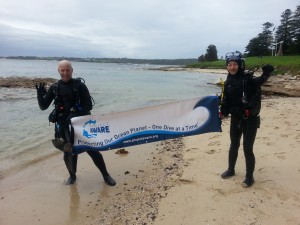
(242,122)
(66,95)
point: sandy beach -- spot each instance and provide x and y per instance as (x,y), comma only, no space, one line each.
(202,197)
(171,182)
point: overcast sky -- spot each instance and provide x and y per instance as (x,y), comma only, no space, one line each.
(148,29)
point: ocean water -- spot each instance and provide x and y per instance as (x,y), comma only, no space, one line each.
(25,131)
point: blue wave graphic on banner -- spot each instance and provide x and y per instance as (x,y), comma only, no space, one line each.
(212,124)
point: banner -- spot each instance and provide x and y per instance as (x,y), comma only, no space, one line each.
(145,125)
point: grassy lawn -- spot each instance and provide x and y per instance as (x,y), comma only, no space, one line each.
(282,64)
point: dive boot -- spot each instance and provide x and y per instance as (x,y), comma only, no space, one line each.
(109,180)
(71,180)
(248,182)
(227,174)
(58,143)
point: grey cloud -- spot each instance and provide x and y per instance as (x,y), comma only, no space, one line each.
(132,28)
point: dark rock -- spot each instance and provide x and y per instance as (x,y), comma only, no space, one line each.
(284,85)
(24,82)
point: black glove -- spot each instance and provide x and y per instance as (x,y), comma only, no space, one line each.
(223,111)
(41,90)
(267,70)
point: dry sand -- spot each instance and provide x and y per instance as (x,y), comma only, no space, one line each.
(204,198)
(170,182)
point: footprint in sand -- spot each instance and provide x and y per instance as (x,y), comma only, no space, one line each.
(224,192)
(261,170)
(282,196)
(266,155)
(280,155)
(190,149)
(212,151)
(270,143)
(186,181)
(284,135)
(214,143)
(188,162)
(215,136)
(265,138)
(292,145)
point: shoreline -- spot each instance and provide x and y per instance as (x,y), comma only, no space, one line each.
(282,85)
(197,70)
(174,182)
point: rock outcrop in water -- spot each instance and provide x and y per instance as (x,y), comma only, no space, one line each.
(24,82)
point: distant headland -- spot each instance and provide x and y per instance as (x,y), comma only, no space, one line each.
(111,60)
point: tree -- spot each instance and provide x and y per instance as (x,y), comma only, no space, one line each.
(201,58)
(284,32)
(254,47)
(262,43)
(296,30)
(211,53)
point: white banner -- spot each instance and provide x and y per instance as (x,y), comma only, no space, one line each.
(150,124)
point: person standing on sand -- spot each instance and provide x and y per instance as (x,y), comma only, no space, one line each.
(71,98)
(242,99)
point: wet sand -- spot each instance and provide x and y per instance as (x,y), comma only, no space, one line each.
(170,182)
(37,194)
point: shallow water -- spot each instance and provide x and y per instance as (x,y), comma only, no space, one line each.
(25,131)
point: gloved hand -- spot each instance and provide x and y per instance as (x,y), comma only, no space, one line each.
(41,90)
(223,112)
(267,70)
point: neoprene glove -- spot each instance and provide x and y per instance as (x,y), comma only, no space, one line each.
(267,70)
(41,90)
(223,110)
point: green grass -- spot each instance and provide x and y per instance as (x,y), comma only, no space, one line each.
(282,64)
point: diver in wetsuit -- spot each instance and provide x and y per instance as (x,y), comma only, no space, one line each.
(242,99)
(71,98)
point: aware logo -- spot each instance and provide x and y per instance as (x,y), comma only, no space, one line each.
(91,129)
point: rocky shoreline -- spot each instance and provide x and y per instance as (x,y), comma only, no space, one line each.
(24,82)
(283,85)
(280,85)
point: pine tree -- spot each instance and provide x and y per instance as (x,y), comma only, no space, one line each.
(262,43)
(296,31)
(284,32)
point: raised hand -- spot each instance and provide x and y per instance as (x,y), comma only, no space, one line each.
(267,70)
(41,90)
